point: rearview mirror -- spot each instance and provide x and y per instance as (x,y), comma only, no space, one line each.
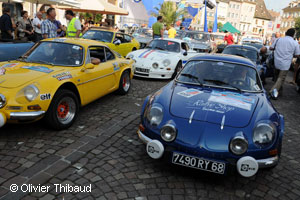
(185,53)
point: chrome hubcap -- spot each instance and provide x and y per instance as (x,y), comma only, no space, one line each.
(66,110)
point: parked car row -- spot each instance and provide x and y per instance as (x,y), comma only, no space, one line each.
(214,115)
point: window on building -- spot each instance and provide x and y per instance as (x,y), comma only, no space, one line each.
(228,15)
(237,7)
(263,22)
(232,15)
(244,27)
(236,16)
(229,5)
(251,9)
(256,21)
(233,6)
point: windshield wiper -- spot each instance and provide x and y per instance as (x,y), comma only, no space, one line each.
(192,77)
(159,48)
(43,62)
(218,82)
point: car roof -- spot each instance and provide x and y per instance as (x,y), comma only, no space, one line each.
(103,29)
(171,39)
(242,46)
(224,58)
(188,31)
(77,41)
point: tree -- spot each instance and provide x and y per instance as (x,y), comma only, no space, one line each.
(297,26)
(220,25)
(170,12)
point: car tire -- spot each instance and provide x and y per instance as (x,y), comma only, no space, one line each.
(63,110)
(125,83)
(177,69)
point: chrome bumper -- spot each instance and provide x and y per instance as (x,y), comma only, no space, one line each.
(268,162)
(26,116)
(263,163)
(143,137)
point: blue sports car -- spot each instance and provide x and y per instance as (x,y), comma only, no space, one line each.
(214,115)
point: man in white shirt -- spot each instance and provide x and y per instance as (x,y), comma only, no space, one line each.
(284,50)
(37,21)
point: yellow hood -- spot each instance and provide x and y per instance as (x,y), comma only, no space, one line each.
(16,74)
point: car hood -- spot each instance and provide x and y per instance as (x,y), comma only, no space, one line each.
(213,106)
(16,74)
(152,54)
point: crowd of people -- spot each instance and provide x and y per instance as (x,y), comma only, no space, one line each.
(26,29)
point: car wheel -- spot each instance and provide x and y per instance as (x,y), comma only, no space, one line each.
(125,83)
(177,69)
(63,110)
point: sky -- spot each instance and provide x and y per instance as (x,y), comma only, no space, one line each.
(277,5)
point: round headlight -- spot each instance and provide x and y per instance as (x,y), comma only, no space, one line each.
(155,114)
(166,62)
(168,133)
(131,56)
(264,134)
(2,100)
(155,65)
(31,92)
(238,145)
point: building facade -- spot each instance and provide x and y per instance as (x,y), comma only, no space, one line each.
(289,15)
(275,21)
(262,17)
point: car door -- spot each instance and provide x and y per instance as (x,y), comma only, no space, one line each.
(120,47)
(100,80)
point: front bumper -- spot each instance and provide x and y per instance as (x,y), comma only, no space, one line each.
(262,163)
(157,74)
(21,116)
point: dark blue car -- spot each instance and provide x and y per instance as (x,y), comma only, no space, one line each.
(214,115)
(12,51)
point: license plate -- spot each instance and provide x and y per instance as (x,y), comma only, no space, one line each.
(198,163)
(142,70)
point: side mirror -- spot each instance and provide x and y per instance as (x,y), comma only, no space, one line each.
(185,53)
(89,66)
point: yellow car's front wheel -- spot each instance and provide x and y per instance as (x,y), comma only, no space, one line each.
(125,83)
(63,110)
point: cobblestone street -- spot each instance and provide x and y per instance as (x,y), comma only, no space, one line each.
(102,149)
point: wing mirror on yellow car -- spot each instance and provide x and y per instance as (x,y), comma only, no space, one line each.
(92,65)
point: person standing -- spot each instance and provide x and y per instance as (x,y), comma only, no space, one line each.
(48,28)
(37,22)
(6,26)
(277,35)
(228,38)
(284,50)
(172,32)
(74,27)
(158,28)
(25,27)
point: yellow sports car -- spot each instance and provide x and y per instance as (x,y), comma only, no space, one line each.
(56,77)
(119,42)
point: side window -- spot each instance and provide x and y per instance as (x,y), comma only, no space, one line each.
(109,54)
(119,37)
(127,38)
(97,52)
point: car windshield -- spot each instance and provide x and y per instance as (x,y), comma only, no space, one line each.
(143,31)
(51,53)
(220,37)
(243,52)
(203,37)
(253,44)
(102,36)
(165,45)
(221,74)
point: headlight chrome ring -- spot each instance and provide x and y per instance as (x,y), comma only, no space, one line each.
(238,145)
(155,65)
(31,92)
(264,134)
(2,101)
(155,114)
(168,133)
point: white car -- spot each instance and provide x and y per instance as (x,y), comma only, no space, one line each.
(161,59)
